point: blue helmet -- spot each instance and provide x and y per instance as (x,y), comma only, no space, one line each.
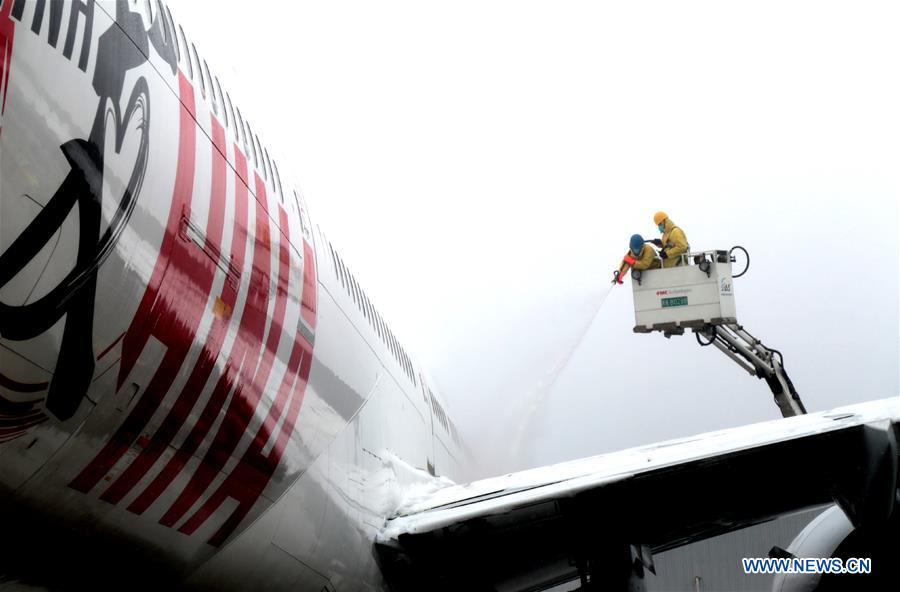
(636,244)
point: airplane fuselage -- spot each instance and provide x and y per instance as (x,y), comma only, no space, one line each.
(194,388)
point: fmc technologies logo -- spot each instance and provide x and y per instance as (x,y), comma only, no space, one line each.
(674,291)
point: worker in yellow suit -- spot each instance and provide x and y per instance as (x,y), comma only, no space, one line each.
(673,242)
(640,255)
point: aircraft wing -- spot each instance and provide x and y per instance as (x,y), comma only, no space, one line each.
(608,514)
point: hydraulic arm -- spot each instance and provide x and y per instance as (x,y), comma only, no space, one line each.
(749,353)
(698,294)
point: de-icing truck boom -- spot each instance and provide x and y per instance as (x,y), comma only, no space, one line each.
(699,295)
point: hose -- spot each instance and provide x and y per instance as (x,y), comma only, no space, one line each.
(705,329)
(746,254)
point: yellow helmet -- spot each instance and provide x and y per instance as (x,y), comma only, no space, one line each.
(659,217)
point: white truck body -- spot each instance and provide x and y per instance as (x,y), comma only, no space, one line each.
(689,295)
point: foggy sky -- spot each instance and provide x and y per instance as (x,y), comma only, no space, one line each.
(481,166)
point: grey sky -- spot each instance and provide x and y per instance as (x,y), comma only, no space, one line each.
(481,166)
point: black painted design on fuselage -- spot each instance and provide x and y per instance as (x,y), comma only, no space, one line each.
(78,7)
(119,49)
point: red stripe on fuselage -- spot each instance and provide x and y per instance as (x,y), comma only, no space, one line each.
(201,370)
(243,484)
(240,373)
(22,387)
(249,478)
(169,312)
(109,347)
(194,385)
(7,29)
(308,304)
(136,336)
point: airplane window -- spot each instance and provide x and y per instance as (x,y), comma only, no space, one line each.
(372,317)
(340,272)
(356,292)
(187,57)
(197,69)
(341,269)
(248,143)
(368,307)
(212,92)
(334,261)
(297,203)
(352,287)
(148,10)
(303,219)
(241,137)
(362,299)
(252,148)
(337,258)
(278,180)
(259,163)
(169,27)
(230,109)
(271,176)
(221,100)
(245,136)
(378,323)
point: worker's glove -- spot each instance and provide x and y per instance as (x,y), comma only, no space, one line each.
(657,242)
(663,254)
(616,279)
